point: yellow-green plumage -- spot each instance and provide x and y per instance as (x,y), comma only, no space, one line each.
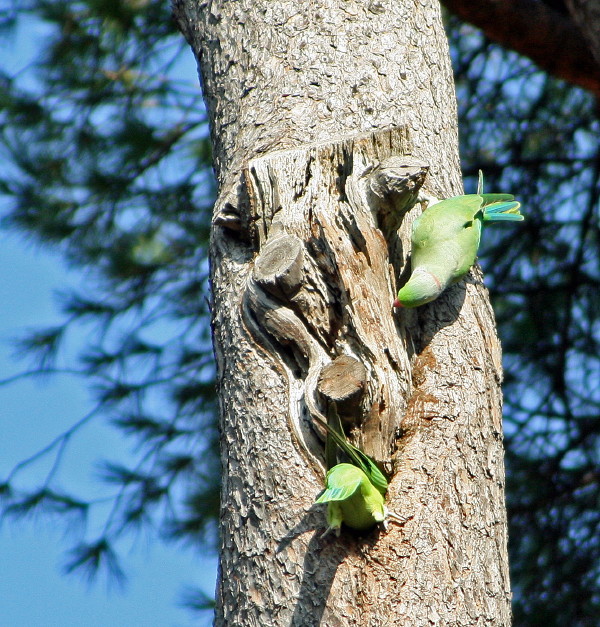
(354,492)
(445,240)
(352,499)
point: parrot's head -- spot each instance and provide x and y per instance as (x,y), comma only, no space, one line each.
(421,288)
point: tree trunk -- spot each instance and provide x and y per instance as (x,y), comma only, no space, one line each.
(325,118)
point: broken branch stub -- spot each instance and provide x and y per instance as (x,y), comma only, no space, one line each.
(326,263)
(278,268)
(343,382)
(394,184)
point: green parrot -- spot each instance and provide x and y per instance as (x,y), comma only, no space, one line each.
(354,492)
(445,239)
(352,499)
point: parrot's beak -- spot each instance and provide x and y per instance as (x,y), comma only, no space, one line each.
(397,303)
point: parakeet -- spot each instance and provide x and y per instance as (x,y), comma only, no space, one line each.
(445,239)
(354,492)
(352,499)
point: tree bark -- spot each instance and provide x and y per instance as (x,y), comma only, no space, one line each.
(325,118)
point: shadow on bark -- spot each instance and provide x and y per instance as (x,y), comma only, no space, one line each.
(442,312)
(322,559)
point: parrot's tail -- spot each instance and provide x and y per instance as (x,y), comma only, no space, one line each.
(503,210)
(498,207)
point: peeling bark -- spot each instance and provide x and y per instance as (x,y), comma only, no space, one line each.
(327,117)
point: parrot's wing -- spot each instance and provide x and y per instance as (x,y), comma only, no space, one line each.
(360,459)
(488,199)
(342,483)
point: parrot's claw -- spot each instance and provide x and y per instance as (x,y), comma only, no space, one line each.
(397,519)
(393,518)
(329,530)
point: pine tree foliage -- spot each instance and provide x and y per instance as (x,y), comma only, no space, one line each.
(108,161)
(106,158)
(538,138)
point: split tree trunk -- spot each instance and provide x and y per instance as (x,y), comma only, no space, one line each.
(326,118)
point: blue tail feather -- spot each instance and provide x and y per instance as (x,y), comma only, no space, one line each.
(498,211)
(498,207)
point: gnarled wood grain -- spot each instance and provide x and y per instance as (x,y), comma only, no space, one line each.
(317,108)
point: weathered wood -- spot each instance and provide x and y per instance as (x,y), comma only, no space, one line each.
(395,182)
(345,300)
(315,109)
(278,268)
(343,382)
(586,14)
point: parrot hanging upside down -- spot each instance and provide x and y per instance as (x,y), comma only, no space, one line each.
(354,492)
(352,499)
(445,239)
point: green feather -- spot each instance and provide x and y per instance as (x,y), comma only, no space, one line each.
(502,211)
(352,499)
(445,240)
(340,483)
(355,491)
(356,456)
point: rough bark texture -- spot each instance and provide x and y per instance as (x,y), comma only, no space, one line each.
(549,38)
(325,117)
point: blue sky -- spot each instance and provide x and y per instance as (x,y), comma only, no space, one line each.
(33,590)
